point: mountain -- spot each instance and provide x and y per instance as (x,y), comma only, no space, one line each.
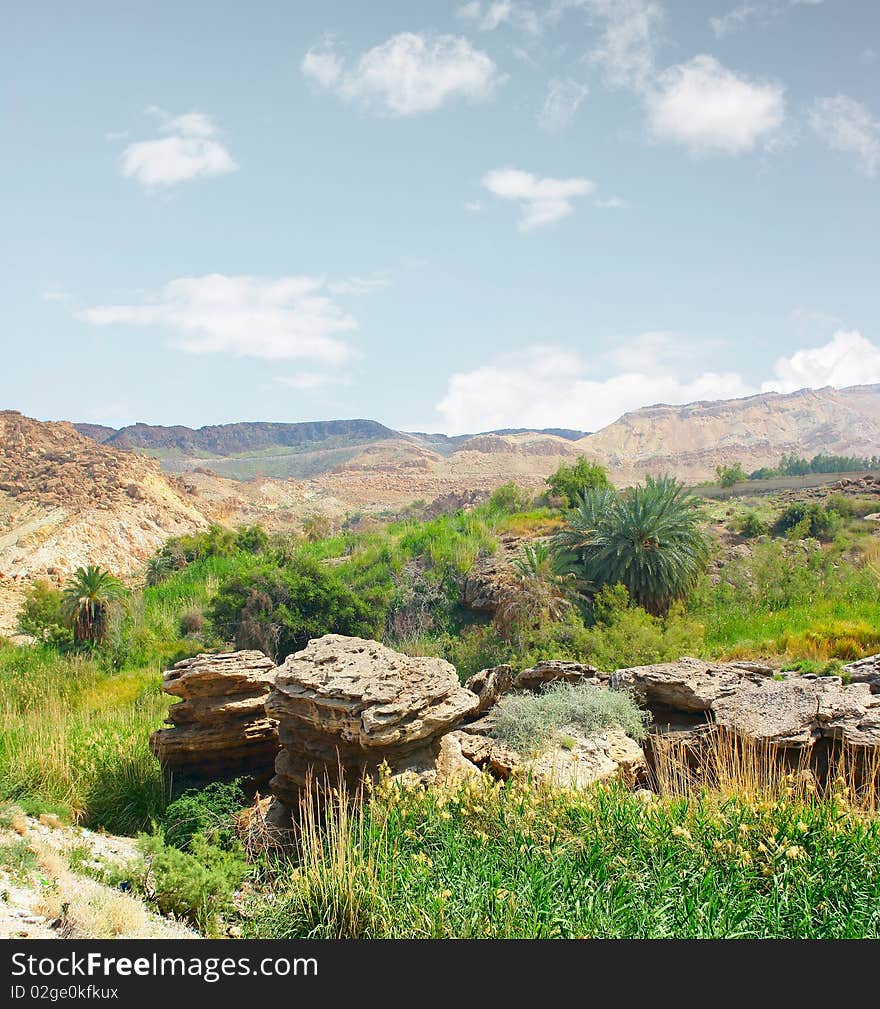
(365,464)
(691,440)
(66,500)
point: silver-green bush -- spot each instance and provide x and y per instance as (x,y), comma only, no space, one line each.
(526,722)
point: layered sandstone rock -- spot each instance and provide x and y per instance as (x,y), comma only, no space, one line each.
(490,685)
(553,671)
(796,713)
(689,684)
(220,728)
(346,705)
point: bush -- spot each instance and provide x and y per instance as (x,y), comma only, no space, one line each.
(527,722)
(802,520)
(206,812)
(729,475)
(192,622)
(278,610)
(252,539)
(196,885)
(571,482)
(508,499)
(42,615)
(752,525)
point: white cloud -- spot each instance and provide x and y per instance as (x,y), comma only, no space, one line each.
(844,124)
(275,319)
(552,387)
(487,17)
(561,103)
(541,201)
(707,107)
(626,51)
(761,10)
(189,150)
(847,359)
(406,75)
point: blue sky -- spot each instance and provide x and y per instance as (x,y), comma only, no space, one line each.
(444,216)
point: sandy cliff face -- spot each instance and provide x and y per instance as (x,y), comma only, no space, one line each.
(66,501)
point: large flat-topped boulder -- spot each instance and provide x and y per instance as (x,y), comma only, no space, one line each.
(350,704)
(220,728)
(688,684)
(798,712)
(555,671)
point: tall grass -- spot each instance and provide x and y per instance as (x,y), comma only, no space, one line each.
(518,861)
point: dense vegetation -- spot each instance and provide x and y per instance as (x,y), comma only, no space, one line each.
(620,578)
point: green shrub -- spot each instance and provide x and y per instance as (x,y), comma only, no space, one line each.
(196,885)
(752,525)
(527,722)
(42,615)
(727,476)
(252,539)
(571,482)
(802,519)
(509,498)
(204,811)
(278,610)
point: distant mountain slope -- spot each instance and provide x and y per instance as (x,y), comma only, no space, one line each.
(691,440)
(66,500)
(367,462)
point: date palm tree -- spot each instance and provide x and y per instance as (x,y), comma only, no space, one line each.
(647,538)
(538,593)
(88,598)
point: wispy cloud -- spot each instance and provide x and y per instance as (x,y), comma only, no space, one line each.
(758,11)
(406,75)
(272,318)
(563,99)
(189,148)
(844,124)
(541,201)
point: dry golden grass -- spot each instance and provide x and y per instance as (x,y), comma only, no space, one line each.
(734,767)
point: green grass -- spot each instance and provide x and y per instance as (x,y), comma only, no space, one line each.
(483,861)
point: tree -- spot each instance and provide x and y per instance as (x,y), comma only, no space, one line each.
(537,594)
(646,538)
(88,599)
(279,609)
(571,482)
(730,475)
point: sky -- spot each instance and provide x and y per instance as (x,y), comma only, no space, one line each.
(442,216)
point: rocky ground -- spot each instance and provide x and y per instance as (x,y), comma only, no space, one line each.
(43,897)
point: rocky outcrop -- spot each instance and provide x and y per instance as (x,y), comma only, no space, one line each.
(346,705)
(574,760)
(556,671)
(797,713)
(220,728)
(490,685)
(864,671)
(688,684)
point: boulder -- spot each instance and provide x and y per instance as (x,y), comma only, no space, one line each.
(796,713)
(553,670)
(220,729)
(688,684)
(487,754)
(574,760)
(865,671)
(489,685)
(346,705)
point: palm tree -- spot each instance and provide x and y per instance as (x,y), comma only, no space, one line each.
(646,538)
(87,601)
(537,594)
